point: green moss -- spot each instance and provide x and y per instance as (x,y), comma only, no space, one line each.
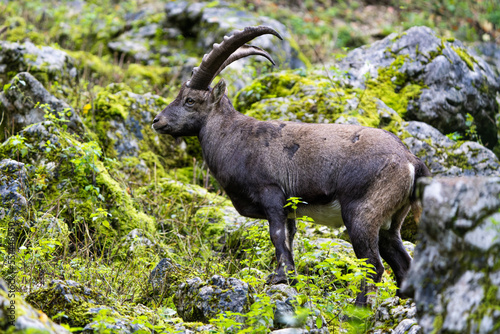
(468,59)
(128,217)
(74,300)
(99,65)
(438,323)
(393,87)
(311,97)
(212,217)
(489,305)
(273,85)
(156,75)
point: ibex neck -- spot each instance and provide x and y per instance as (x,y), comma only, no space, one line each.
(222,134)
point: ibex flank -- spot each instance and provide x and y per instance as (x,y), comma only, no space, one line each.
(359,176)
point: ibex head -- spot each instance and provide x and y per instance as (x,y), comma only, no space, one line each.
(196,100)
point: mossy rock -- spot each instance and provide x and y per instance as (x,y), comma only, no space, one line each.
(78,180)
(68,297)
(167,275)
(450,80)
(314,97)
(122,121)
(45,63)
(19,317)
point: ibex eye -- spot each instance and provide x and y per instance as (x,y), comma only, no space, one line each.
(189,101)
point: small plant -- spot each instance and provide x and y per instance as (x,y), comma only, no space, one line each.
(59,118)
(259,318)
(471,129)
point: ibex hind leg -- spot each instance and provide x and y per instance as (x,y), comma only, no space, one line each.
(365,244)
(392,249)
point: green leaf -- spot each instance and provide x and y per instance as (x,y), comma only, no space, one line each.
(319,322)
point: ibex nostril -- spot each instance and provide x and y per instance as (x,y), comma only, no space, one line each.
(156,120)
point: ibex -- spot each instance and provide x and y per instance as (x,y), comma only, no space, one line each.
(363,177)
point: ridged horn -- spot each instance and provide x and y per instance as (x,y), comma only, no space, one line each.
(230,50)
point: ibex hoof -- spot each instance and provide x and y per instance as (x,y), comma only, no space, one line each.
(275,278)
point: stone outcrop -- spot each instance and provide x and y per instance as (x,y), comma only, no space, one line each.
(455,273)
(396,316)
(13,189)
(455,82)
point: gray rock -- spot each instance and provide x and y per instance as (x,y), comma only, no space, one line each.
(26,102)
(459,247)
(13,187)
(446,157)
(197,300)
(44,62)
(491,53)
(395,315)
(166,277)
(456,81)
(136,42)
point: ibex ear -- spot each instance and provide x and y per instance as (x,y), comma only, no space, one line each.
(218,91)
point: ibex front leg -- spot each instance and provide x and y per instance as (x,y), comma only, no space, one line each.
(279,228)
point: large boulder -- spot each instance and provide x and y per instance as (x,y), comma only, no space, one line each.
(455,274)
(25,101)
(70,297)
(58,158)
(490,52)
(45,63)
(454,82)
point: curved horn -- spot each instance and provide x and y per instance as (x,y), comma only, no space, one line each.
(221,55)
(242,52)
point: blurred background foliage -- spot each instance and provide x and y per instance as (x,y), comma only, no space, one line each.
(322,28)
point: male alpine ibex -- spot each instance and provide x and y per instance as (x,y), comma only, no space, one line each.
(360,176)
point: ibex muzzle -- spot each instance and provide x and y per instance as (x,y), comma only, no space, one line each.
(359,176)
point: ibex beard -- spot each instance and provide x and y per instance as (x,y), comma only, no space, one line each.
(358,176)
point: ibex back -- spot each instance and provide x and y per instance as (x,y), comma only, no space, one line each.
(359,176)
